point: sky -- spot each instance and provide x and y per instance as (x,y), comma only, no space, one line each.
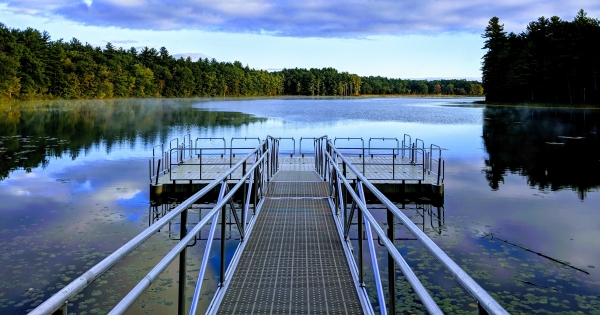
(392,38)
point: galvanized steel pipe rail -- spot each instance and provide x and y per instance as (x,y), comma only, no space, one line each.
(415,283)
(131,297)
(484,299)
(61,297)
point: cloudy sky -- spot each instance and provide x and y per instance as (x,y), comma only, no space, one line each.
(393,38)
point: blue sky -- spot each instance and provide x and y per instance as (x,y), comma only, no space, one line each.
(400,39)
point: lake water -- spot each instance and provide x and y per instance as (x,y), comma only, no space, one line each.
(521,210)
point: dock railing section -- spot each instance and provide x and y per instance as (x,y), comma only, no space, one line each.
(405,154)
(254,184)
(402,153)
(340,187)
(192,153)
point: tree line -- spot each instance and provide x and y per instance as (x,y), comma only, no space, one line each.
(551,61)
(32,66)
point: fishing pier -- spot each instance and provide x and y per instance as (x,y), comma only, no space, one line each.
(298,215)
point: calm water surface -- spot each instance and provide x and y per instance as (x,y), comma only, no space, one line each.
(522,207)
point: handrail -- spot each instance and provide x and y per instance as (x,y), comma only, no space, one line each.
(288,138)
(204,263)
(56,301)
(211,139)
(406,144)
(162,149)
(319,154)
(416,284)
(350,138)
(483,298)
(131,297)
(441,166)
(383,139)
(171,143)
(300,144)
(242,138)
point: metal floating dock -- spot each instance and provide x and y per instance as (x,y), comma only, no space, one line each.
(295,216)
(406,170)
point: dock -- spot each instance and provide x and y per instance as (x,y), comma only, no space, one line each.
(400,173)
(297,218)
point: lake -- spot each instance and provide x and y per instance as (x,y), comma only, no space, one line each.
(521,208)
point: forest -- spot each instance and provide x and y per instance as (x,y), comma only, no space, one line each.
(553,61)
(32,66)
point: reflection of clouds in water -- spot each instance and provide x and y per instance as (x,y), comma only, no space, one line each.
(112,193)
(16,191)
(40,185)
(86,186)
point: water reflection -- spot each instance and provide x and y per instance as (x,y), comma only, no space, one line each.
(33,131)
(553,148)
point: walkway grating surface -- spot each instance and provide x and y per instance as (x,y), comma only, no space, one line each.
(294,262)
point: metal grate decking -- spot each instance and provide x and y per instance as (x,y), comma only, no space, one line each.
(294,262)
(297,176)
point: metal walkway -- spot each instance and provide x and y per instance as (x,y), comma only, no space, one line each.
(295,221)
(294,262)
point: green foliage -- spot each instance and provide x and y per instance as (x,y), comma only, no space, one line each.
(382,86)
(34,67)
(552,61)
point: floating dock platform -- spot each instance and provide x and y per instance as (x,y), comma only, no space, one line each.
(403,172)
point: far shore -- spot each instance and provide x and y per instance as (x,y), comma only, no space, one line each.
(477,99)
(254,97)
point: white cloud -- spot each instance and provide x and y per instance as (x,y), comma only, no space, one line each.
(334,18)
(193,56)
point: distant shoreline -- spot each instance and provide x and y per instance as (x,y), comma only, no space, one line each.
(440,96)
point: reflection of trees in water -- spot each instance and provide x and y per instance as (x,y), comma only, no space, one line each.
(29,132)
(553,148)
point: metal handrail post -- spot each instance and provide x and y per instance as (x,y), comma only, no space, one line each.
(404,142)
(222,253)
(204,263)
(391,265)
(361,271)
(157,172)
(393,164)
(439,171)
(248,194)
(182,265)
(376,277)
(255,189)
(363,159)
(200,163)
